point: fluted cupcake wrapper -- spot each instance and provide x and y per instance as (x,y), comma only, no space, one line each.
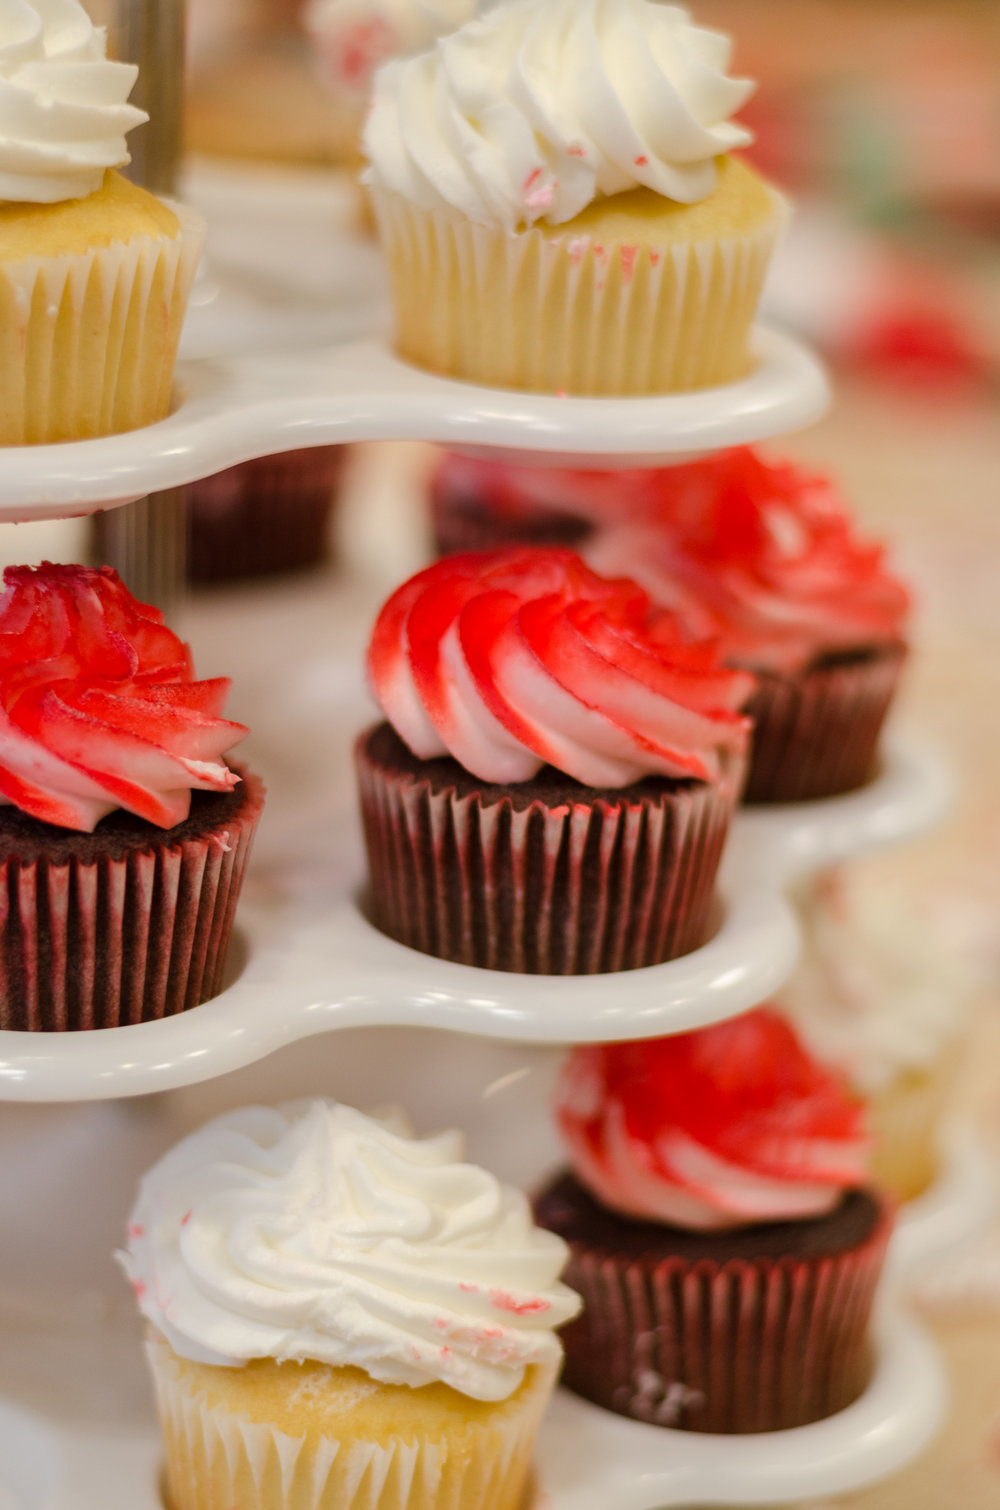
(571,313)
(112,941)
(907,1118)
(746,1345)
(217,1459)
(265,516)
(816,731)
(88,340)
(512,883)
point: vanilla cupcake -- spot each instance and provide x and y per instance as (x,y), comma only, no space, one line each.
(342,1315)
(876,995)
(560,211)
(94,272)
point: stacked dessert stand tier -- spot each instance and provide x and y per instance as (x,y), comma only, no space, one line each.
(307,962)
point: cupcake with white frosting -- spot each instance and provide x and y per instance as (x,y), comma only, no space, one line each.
(94,272)
(342,1315)
(555,191)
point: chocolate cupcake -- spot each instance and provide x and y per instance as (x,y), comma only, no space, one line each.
(480,505)
(554,785)
(264,517)
(764,557)
(721,1237)
(124,834)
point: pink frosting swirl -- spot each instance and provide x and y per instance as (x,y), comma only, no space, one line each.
(760,554)
(517,659)
(98,706)
(723,1127)
(515,491)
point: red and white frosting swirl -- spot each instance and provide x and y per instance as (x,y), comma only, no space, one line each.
(98,706)
(723,1127)
(516,491)
(760,554)
(517,659)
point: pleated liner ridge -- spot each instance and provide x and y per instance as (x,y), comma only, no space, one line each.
(565,313)
(88,340)
(600,882)
(745,1345)
(122,940)
(816,732)
(218,1458)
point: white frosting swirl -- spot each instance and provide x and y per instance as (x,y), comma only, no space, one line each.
(876,992)
(63,111)
(541,106)
(311,1231)
(353,37)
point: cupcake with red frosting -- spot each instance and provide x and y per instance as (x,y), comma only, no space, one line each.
(124,833)
(763,556)
(552,788)
(721,1235)
(478,504)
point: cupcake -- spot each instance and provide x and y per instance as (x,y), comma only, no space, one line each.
(555,193)
(94,272)
(721,1237)
(124,834)
(878,996)
(342,1316)
(763,556)
(479,504)
(264,517)
(553,786)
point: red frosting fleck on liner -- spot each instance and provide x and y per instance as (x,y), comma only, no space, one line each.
(520,658)
(98,706)
(727,1125)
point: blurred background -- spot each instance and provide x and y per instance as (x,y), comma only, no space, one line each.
(882,119)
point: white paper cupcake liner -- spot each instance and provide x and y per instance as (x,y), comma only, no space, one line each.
(572,313)
(88,340)
(217,1459)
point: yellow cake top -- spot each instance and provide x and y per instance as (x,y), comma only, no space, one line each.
(117,211)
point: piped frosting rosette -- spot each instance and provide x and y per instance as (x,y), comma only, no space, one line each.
(721,1236)
(554,190)
(764,556)
(327,1292)
(120,892)
(550,733)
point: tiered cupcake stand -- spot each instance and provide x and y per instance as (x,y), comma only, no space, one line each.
(307,962)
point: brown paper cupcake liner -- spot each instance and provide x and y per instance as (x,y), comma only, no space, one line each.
(88,341)
(569,313)
(816,732)
(123,937)
(746,1345)
(547,878)
(264,517)
(217,1458)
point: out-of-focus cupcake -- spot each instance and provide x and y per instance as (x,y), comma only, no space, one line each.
(479,504)
(124,834)
(94,272)
(352,39)
(553,787)
(555,195)
(877,995)
(721,1236)
(342,1316)
(764,557)
(263,517)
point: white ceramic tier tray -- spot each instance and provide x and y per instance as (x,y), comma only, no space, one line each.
(587,1458)
(311,963)
(230,409)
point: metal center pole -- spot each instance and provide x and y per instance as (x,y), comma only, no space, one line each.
(147,541)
